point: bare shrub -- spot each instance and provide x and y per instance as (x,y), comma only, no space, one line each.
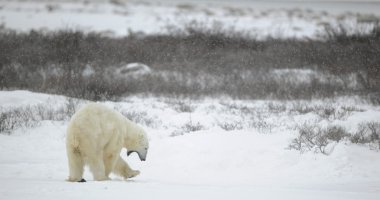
(236,109)
(374,98)
(188,128)
(313,137)
(46,112)
(191,127)
(52,7)
(331,112)
(183,106)
(327,112)
(230,126)
(302,108)
(31,116)
(7,122)
(276,107)
(351,109)
(186,7)
(207,60)
(71,106)
(367,133)
(335,133)
(337,61)
(374,128)
(261,125)
(118,2)
(17,118)
(140,117)
(307,138)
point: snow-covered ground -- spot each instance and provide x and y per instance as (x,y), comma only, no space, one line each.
(212,148)
(118,18)
(199,149)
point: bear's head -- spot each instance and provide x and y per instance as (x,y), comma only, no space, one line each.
(138,144)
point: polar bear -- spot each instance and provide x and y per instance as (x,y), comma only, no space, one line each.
(95,136)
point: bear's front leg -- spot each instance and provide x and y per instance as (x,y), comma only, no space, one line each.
(123,169)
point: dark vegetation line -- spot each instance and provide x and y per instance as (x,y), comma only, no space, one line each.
(198,61)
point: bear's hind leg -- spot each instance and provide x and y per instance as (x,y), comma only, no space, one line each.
(76,165)
(97,167)
(123,169)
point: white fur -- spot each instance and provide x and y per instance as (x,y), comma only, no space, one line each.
(95,136)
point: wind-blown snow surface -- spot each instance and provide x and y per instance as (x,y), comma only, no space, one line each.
(211,163)
(261,19)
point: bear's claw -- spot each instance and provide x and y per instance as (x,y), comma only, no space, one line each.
(134,173)
(82,181)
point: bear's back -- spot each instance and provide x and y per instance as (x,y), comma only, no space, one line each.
(95,119)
